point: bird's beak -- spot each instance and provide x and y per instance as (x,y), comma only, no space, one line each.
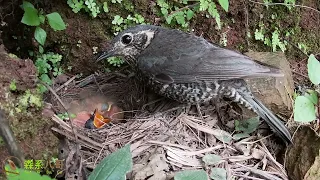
(105,55)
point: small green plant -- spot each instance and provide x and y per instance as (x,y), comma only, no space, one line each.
(29,99)
(13,86)
(174,14)
(115,61)
(274,41)
(66,116)
(305,105)
(34,17)
(89,6)
(120,23)
(48,66)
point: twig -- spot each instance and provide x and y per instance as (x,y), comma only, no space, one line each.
(74,131)
(183,8)
(284,4)
(300,74)
(65,84)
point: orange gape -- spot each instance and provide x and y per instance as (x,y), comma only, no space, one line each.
(99,121)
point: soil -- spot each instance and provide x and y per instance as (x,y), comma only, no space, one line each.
(83,33)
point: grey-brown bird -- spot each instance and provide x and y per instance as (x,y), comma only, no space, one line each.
(189,69)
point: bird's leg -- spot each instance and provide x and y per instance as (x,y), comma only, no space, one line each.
(199,111)
(215,102)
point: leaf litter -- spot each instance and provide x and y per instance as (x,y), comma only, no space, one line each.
(165,137)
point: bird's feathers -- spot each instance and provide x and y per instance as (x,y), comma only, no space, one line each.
(275,124)
(186,58)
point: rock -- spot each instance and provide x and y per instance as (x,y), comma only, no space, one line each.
(301,156)
(275,93)
(314,172)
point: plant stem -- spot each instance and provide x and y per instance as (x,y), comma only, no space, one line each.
(284,4)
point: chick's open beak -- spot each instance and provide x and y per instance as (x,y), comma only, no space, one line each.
(105,55)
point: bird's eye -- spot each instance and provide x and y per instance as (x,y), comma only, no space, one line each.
(126,39)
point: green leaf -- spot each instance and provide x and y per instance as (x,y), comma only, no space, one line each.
(46,79)
(180,18)
(115,166)
(312,96)
(304,110)
(191,175)
(13,85)
(169,19)
(223,136)
(55,21)
(218,174)
(41,50)
(212,10)
(40,35)
(224,4)
(248,126)
(211,159)
(117,20)
(164,11)
(258,35)
(30,17)
(190,14)
(26,4)
(314,69)
(42,18)
(240,136)
(23,174)
(105,7)
(204,5)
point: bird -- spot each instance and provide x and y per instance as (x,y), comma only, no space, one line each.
(189,69)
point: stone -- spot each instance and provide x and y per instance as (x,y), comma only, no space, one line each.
(275,93)
(302,159)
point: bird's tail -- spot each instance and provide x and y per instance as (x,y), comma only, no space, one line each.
(275,123)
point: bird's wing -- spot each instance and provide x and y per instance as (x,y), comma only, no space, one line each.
(193,64)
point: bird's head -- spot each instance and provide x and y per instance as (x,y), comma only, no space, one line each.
(130,42)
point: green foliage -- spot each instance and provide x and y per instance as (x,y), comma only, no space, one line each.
(13,86)
(191,175)
(211,159)
(248,126)
(305,106)
(55,21)
(66,116)
(120,23)
(23,174)
(33,17)
(92,7)
(274,41)
(114,166)
(115,61)
(40,35)
(29,100)
(218,174)
(76,5)
(314,70)
(181,13)
(304,110)
(48,65)
(290,3)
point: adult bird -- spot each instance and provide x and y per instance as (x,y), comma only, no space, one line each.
(189,69)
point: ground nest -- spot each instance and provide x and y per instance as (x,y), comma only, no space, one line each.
(164,137)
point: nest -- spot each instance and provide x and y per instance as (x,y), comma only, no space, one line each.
(164,137)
